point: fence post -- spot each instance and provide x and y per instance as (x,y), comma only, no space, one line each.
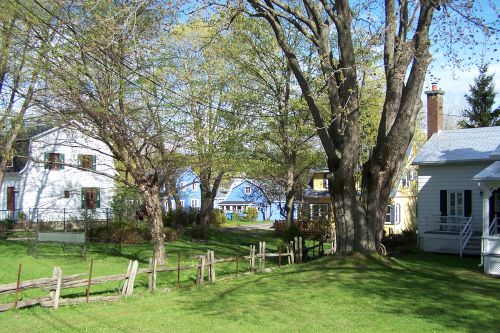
(237,260)
(127,276)
(300,250)
(64,219)
(211,267)
(17,285)
(90,278)
(296,249)
(252,258)
(178,270)
(55,294)
(150,275)
(279,256)
(130,282)
(291,251)
(201,271)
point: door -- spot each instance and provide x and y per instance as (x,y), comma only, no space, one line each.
(11,199)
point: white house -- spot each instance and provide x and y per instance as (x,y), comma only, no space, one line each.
(459,190)
(68,174)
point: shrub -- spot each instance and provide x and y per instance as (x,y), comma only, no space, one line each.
(171,235)
(218,217)
(199,232)
(117,232)
(251,214)
(404,242)
(181,217)
(9,224)
(291,232)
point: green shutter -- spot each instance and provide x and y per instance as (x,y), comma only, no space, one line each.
(98,198)
(79,160)
(93,162)
(61,160)
(46,159)
(84,197)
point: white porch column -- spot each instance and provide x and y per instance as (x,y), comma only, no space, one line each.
(487,191)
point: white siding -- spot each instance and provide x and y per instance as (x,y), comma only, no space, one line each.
(44,189)
(449,177)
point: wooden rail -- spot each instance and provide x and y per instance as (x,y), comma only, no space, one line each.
(59,281)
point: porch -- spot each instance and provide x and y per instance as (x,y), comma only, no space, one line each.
(450,234)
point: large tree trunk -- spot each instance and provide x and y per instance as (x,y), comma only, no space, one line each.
(290,195)
(208,194)
(152,203)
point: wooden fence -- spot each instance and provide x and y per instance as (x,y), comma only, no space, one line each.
(292,253)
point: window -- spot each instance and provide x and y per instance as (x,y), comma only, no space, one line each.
(66,194)
(193,186)
(325,183)
(248,190)
(319,210)
(182,203)
(87,162)
(182,186)
(194,203)
(10,163)
(411,174)
(456,205)
(53,161)
(405,181)
(392,215)
(91,198)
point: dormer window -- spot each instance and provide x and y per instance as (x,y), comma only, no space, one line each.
(248,190)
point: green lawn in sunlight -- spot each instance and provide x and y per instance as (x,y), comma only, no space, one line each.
(408,293)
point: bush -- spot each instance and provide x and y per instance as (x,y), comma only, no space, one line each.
(173,218)
(291,232)
(404,242)
(171,235)
(218,217)
(251,214)
(9,224)
(199,232)
(117,232)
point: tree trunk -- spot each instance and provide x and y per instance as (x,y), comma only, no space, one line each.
(152,203)
(208,194)
(290,195)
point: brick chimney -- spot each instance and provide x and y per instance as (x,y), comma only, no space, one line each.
(434,110)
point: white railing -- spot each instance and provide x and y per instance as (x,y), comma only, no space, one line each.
(465,234)
(448,224)
(493,227)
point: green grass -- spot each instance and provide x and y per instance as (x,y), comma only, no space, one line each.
(238,223)
(410,293)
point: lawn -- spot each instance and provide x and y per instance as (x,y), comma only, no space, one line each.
(408,293)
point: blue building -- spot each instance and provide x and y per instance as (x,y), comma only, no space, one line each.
(244,194)
(188,187)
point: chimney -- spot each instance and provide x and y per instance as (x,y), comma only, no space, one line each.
(434,110)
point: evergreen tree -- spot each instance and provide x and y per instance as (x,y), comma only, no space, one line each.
(480,112)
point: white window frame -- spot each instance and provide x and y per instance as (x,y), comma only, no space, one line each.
(456,203)
(325,183)
(320,211)
(193,186)
(405,181)
(183,186)
(194,203)
(394,214)
(182,203)
(247,190)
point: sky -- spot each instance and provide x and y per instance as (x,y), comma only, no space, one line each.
(456,81)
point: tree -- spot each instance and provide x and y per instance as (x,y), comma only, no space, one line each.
(23,49)
(284,144)
(480,112)
(214,122)
(329,27)
(103,74)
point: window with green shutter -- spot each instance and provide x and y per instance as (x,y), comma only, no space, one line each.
(54,161)
(87,162)
(91,197)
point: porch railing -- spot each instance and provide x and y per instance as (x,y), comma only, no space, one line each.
(465,235)
(448,224)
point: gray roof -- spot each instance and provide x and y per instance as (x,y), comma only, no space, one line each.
(492,172)
(461,145)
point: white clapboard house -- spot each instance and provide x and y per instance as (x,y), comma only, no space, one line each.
(459,190)
(68,174)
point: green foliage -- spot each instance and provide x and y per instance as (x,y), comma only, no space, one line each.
(119,233)
(171,235)
(218,217)
(126,203)
(181,217)
(480,112)
(251,214)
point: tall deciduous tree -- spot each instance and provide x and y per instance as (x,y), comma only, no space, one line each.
(106,60)
(23,49)
(480,112)
(329,27)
